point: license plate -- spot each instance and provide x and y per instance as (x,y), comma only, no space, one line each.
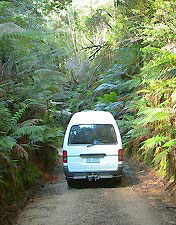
(92,160)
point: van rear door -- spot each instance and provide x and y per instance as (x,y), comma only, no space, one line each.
(92,147)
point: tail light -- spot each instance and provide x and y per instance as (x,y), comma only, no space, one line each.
(120,155)
(64,156)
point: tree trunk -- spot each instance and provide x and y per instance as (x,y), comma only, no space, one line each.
(73,34)
(116,3)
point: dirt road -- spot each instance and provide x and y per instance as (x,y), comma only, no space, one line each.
(97,204)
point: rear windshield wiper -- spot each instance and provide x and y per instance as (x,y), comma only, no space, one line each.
(96,143)
(101,143)
(90,145)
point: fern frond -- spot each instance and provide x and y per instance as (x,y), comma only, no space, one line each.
(51,134)
(133,83)
(17,116)
(35,133)
(170,73)
(5,116)
(7,143)
(154,142)
(9,28)
(30,122)
(170,144)
(152,115)
(142,132)
(148,146)
(160,156)
(162,67)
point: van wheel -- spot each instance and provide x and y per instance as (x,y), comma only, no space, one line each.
(117,180)
(70,183)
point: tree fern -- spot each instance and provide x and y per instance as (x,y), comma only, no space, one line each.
(148,147)
(160,156)
(153,115)
(7,143)
(35,133)
(9,28)
(133,83)
(154,142)
(17,116)
(162,67)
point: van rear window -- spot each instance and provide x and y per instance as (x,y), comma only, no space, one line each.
(92,134)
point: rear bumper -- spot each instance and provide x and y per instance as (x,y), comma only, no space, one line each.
(96,175)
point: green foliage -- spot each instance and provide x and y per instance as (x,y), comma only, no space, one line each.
(170,144)
(111,97)
(96,21)
(132,84)
(162,66)
(149,123)
(7,143)
(153,142)
(5,117)
(32,70)
(150,115)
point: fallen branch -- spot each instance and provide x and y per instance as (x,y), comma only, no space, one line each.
(91,47)
(91,57)
(90,41)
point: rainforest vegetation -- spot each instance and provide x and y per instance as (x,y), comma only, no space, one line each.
(60,57)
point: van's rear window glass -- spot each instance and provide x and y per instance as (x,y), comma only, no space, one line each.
(92,134)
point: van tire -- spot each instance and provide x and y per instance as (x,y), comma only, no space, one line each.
(70,183)
(117,180)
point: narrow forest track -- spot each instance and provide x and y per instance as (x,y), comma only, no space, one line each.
(137,200)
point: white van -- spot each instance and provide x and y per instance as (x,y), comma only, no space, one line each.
(92,147)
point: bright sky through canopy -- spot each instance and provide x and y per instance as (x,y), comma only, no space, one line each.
(90,3)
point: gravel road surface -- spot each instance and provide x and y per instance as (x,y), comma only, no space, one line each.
(103,203)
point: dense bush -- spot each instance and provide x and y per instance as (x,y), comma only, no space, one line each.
(32,70)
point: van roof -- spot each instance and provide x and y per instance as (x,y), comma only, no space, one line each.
(92,117)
